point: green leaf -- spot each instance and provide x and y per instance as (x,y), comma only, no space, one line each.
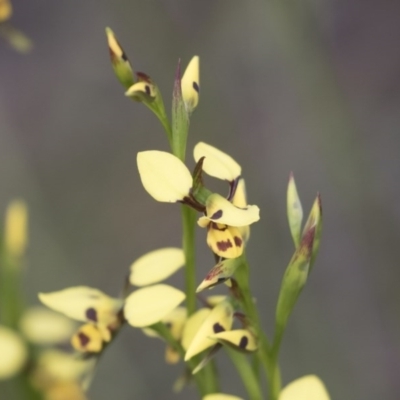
(180,118)
(294,211)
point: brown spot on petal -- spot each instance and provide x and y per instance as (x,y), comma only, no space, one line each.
(215,271)
(244,341)
(219,227)
(147,88)
(196,87)
(224,245)
(238,241)
(217,215)
(83,339)
(91,314)
(218,328)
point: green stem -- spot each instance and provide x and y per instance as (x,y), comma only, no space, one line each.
(189,223)
(247,374)
(264,353)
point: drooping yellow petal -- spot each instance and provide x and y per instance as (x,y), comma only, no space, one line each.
(309,387)
(83,303)
(156,266)
(164,176)
(190,84)
(241,339)
(15,231)
(42,326)
(224,240)
(5,10)
(222,211)
(219,273)
(62,366)
(141,90)
(220,319)
(88,338)
(221,396)
(150,305)
(212,301)
(175,321)
(13,353)
(192,325)
(217,163)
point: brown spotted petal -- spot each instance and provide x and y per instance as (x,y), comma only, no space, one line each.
(87,339)
(225,241)
(239,199)
(220,210)
(141,91)
(192,326)
(220,319)
(240,339)
(219,273)
(83,303)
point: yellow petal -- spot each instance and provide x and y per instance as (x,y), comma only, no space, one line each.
(212,301)
(241,339)
(156,266)
(139,89)
(190,84)
(5,10)
(192,326)
(203,222)
(171,355)
(224,240)
(164,176)
(42,326)
(239,198)
(15,232)
(222,211)
(308,387)
(13,353)
(217,163)
(88,338)
(83,303)
(62,366)
(150,305)
(175,321)
(220,319)
(221,396)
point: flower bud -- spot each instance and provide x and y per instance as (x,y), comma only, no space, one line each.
(190,84)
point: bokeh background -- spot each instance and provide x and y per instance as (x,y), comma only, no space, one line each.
(309,87)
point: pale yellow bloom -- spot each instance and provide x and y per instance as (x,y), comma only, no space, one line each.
(220,319)
(156,266)
(89,338)
(193,324)
(15,231)
(190,84)
(42,326)
(13,353)
(139,89)
(217,163)
(5,10)
(164,176)
(308,387)
(240,339)
(149,305)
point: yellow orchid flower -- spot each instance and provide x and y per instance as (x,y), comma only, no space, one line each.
(190,84)
(308,387)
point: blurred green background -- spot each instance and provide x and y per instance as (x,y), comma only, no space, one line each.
(303,86)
